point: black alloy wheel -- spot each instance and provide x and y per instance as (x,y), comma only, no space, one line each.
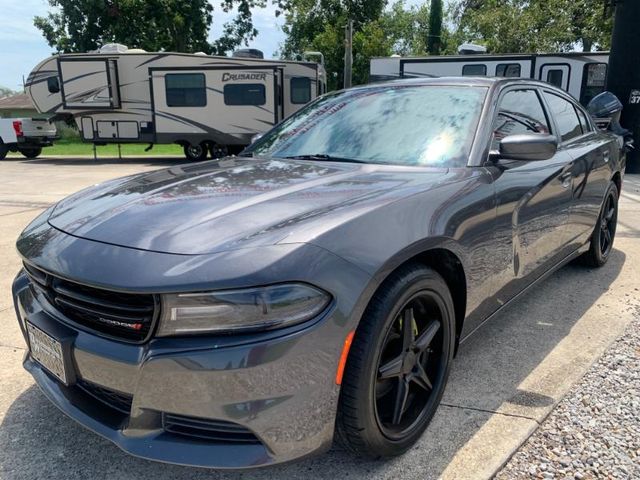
(608,222)
(398,364)
(604,232)
(196,153)
(410,363)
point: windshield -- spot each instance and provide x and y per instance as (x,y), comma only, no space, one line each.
(422,125)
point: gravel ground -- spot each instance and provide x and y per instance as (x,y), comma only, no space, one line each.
(595,430)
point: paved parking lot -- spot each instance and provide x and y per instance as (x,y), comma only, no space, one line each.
(505,381)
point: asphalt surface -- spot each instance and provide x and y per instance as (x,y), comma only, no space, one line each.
(505,381)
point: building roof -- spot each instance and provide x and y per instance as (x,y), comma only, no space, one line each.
(15,102)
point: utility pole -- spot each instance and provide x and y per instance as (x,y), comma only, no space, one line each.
(623,79)
(348,53)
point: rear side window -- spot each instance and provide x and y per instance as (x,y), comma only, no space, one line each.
(555,77)
(53,84)
(519,111)
(584,123)
(245,94)
(565,116)
(474,70)
(508,70)
(300,90)
(593,81)
(185,89)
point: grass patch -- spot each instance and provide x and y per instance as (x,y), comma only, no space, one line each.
(67,146)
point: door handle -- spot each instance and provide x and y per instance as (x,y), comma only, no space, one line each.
(605,156)
(565,178)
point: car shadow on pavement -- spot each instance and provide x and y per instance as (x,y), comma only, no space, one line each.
(37,441)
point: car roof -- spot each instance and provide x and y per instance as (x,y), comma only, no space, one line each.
(458,81)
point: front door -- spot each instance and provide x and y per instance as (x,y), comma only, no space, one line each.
(533,199)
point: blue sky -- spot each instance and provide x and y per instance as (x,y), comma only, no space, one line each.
(22,46)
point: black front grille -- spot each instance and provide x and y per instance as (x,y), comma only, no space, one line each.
(125,316)
(116,400)
(212,430)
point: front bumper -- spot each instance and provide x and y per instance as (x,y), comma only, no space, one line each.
(280,387)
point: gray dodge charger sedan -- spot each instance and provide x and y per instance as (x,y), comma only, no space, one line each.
(247,311)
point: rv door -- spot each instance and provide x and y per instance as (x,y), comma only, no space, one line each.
(556,74)
(89,83)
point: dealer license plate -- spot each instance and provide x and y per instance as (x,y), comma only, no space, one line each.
(47,351)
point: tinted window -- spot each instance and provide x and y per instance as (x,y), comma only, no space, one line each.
(477,70)
(185,89)
(403,125)
(53,85)
(564,115)
(554,77)
(508,70)
(300,90)
(584,123)
(519,111)
(593,81)
(245,94)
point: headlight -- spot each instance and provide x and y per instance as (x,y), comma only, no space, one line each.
(240,310)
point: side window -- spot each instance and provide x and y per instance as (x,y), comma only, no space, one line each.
(53,84)
(474,70)
(584,122)
(593,81)
(300,89)
(245,94)
(555,77)
(519,111)
(185,89)
(565,115)
(508,70)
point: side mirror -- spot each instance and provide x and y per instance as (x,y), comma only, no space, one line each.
(528,147)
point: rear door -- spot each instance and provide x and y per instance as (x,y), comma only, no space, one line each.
(533,199)
(592,152)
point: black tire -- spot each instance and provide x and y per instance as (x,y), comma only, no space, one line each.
(217,151)
(31,152)
(604,232)
(367,422)
(196,153)
(4,149)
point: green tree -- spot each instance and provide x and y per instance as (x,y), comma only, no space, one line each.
(154,25)
(519,26)
(312,25)
(435,28)
(5,91)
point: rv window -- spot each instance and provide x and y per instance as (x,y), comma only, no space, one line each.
(519,111)
(476,70)
(53,84)
(593,81)
(300,90)
(554,77)
(565,115)
(508,70)
(185,89)
(245,94)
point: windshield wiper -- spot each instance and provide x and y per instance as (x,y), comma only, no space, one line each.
(323,156)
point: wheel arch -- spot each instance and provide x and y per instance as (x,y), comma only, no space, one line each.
(444,260)
(617,179)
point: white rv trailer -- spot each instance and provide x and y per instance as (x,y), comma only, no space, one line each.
(204,103)
(583,75)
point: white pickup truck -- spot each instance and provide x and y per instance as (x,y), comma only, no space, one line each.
(25,135)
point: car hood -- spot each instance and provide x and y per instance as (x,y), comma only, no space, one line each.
(232,203)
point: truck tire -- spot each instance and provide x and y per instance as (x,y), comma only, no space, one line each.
(196,153)
(31,152)
(4,149)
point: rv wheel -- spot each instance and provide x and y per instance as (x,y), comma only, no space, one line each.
(218,151)
(196,153)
